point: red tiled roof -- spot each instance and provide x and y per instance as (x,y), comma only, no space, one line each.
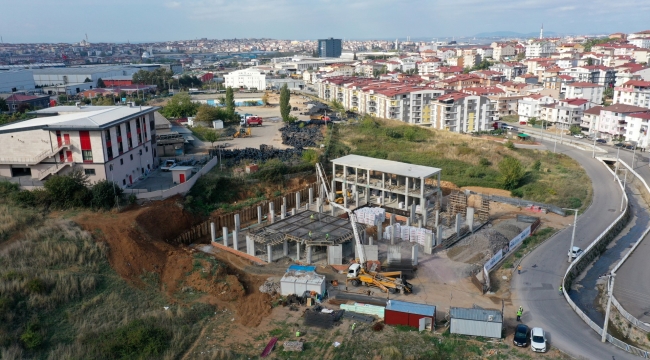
(452,96)
(622,108)
(594,110)
(641,115)
(22,97)
(565,77)
(576,102)
(640,83)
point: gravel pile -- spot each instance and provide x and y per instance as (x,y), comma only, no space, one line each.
(270,286)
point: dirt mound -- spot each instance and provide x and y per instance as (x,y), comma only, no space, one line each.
(165,220)
(253,308)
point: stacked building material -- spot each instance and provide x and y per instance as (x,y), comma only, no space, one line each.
(292,346)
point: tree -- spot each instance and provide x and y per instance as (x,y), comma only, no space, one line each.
(211,136)
(179,106)
(67,191)
(532,121)
(23,107)
(575,129)
(285,106)
(3,105)
(106,194)
(265,99)
(521,56)
(88,80)
(207,113)
(608,93)
(590,61)
(511,172)
(337,107)
(230,100)
(100,83)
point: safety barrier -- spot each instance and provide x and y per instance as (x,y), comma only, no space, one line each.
(593,250)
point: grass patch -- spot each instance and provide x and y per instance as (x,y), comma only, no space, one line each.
(465,160)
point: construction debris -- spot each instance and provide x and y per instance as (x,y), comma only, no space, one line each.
(301,137)
(292,346)
(236,156)
(270,286)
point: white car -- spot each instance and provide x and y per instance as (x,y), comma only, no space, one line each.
(537,340)
(575,252)
(579,136)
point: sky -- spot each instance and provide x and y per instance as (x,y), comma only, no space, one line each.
(159,20)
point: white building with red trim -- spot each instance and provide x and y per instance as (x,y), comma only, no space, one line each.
(105,142)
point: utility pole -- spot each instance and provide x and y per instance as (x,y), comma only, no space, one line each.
(593,155)
(573,235)
(623,196)
(616,170)
(610,290)
(633,156)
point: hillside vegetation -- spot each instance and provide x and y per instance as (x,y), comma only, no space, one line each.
(60,299)
(469,161)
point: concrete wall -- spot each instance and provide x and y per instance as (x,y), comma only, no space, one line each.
(335,255)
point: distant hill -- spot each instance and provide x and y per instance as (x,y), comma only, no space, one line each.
(511,34)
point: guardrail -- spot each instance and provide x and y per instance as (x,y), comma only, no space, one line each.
(593,250)
(629,317)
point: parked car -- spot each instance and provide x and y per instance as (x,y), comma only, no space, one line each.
(579,136)
(629,147)
(619,144)
(574,252)
(537,340)
(521,335)
(602,141)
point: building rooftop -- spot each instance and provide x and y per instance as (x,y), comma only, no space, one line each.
(622,108)
(78,70)
(387,166)
(411,308)
(77,118)
(476,314)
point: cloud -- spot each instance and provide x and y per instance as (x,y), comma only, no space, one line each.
(172,4)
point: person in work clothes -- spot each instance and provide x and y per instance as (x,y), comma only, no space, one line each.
(519,313)
(519,269)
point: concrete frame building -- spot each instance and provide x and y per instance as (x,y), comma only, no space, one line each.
(114,143)
(398,187)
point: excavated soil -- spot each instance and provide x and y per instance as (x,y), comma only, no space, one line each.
(482,245)
(137,245)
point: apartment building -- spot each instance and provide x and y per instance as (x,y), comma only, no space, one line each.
(510,69)
(585,90)
(612,121)
(564,113)
(246,79)
(529,106)
(505,105)
(590,119)
(633,92)
(640,39)
(114,143)
(596,74)
(539,48)
(463,113)
(636,130)
(501,51)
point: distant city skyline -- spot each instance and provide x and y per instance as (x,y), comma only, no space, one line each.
(120,21)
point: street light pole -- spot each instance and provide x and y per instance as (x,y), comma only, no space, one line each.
(616,169)
(610,290)
(593,155)
(633,156)
(573,235)
(623,196)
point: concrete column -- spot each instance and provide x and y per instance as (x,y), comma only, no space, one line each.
(235,239)
(269,252)
(439,235)
(259,214)
(392,219)
(392,236)
(344,191)
(437,218)
(225,236)
(413,206)
(424,207)
(470,218)
(318,206)
(356,199)
(237,223)
(297,199)
(408,221)
(293,211)
(308,254)
(213,232)
(284,201)
(380,231)
(250,246)
(370,241)
(283,212)
(428,244)
(297,251)
(419,223)
(406,193)
(383,186)
(414,254)
(311,197)
(333,192)
(271,213)
(458,223)
(285,248)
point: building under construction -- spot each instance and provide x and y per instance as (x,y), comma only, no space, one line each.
(305,232)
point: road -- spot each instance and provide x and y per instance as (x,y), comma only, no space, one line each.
(631,288)
(536,289)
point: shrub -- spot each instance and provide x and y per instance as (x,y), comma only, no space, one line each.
(511,172)
(509,144)
(484,162)
(272,171)
(36,286)
(105,193)
(310,157)
(7,188)
(23,198)
(137,340)
(31,337)
(71,190)
(537,165)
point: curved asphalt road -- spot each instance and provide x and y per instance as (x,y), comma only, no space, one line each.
(632,287)
(536,289)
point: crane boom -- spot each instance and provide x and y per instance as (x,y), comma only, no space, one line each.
(353,218)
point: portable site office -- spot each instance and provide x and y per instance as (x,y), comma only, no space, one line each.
(476,322)
(419,316)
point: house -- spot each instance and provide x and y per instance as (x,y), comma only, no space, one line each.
(585,90)
(633,92)
(17,102)
(461,81)
(118,81)
(539,48)
(419,316)
(631,71)
(476,322)
(637,128)
(564,113)
(105,142)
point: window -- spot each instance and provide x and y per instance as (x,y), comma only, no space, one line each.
(131,156)
(120,147)
(123,181)
(128,127)
(87,155)
(118,131)
(110,167)
(121,161)
(130,141)
(107,134)
(89,171)
(146,148)
(109,152)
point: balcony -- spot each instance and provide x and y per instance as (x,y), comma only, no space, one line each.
(38,158)
(372,103)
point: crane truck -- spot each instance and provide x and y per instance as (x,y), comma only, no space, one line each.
(391,282)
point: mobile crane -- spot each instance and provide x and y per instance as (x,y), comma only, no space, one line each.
(357,273)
